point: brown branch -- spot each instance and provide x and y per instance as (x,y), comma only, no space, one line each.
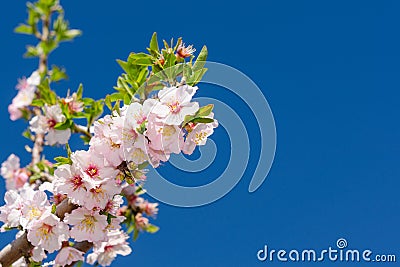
(12,252)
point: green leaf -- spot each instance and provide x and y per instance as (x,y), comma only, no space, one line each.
(204,111)
(127,99)
(140,59)
(24,29)
(31,51)
(49,46)
(187,119)
(135,234)
(196,77)
(154,44)
(152,229)
(37,102)
(107,101)
(201,59)
(27,134)
(143,165)
(124,65)
(202,120)
(79,93)
(64,125)
(57,74)
(62,161)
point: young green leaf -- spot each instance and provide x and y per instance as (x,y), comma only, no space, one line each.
(154,45)
(201,59)
(24,29)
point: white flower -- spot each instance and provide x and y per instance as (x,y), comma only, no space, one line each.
(10,213)
(38,254)
(33,208)
(69,180)
(93,167)
(67,256)
(105,252)
(177,100)
(99,196)
(88,225)
(198,134)
(42,124)
(48,232)
(34,79)
(10,170)
(26,93)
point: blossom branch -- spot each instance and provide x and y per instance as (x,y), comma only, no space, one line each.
(43,61)
(21,247)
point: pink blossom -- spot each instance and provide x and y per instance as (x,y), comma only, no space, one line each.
(38,254)
(33,207)
(74,105)
(114,204)
(107,139)
(150,209)
(10,170)
(69,180)
(177,100)
(141,222)
(136,113)
(42,124)
(48,232)
(163,137)
(88,225)
(105,252)
(93,167)
(15,112)
(26,93)
(198,135)
(99,196)
(136,151)
(111,151)
(67,256)
(10,213)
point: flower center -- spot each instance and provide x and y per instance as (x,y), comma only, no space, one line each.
(76,182)
(92,170)
(87,224)
(174,107)
(200,137)
(51,123)
(34,212)
(44,231)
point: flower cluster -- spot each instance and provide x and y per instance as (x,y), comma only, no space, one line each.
(45,124)
(97,179)
(15,176)
(26,92)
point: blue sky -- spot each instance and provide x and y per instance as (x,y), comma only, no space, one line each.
(329,70)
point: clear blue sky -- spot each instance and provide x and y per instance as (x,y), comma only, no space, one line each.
(330,71)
